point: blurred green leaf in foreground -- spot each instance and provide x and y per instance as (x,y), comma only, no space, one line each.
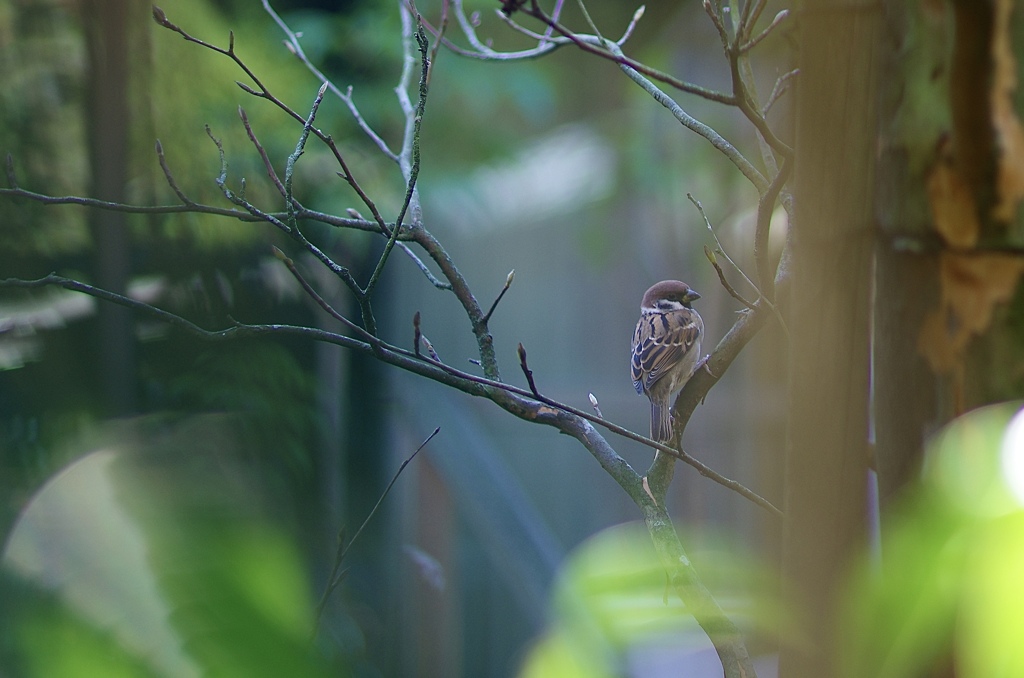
(150,556)
(947,594)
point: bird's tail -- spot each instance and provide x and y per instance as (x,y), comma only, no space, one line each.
(661,422)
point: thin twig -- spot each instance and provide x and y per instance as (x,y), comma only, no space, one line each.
(508,283)
(527,371)
(716,18)
(752,43)
(433,279)
(296,48)
(781,85)
(721,250)
(725,283)
(185,200)
(713,137)
(300,147)
(12,180)
(637,15)
(590,22)
(411,146)
(335,578)
(321,302)
(263,92)
(416,334)
(765,209)
(271,172)
(192,207)
(440,37)
(594,45)
(753,16)
(239,199)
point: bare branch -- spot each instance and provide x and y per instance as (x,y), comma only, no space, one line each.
(595,45)
(315,296)
(460,287)
(694,125)
(440,37)
(193,207)
(296,48)
(262,92)
(410,155)
(523,403)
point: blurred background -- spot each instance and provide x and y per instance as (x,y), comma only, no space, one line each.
(212,479)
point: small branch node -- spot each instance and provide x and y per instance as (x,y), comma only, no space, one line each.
(248,89)
(593,402)
(282,257)
(430,348)
(161,18)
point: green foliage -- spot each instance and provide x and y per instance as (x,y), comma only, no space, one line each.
(264,386)
(612,599)
(153,555)
(948,591)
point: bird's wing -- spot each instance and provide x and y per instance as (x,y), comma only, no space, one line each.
(660,341)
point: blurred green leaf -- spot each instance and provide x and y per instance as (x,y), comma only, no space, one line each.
(152,556)
(612,599)
(948,591)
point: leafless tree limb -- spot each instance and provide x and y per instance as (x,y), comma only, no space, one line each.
(409,229)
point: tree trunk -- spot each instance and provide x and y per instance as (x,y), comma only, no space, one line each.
(107,115)
(950,185)
(826,466)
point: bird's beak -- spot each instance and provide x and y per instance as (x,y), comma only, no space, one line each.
(692,296)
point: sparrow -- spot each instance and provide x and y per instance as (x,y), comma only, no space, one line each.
(666,349)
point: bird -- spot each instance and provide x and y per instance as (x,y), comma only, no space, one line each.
(666,349)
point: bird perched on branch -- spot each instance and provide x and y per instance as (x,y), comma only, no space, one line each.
(666,349)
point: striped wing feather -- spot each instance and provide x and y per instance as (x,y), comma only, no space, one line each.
(660,341)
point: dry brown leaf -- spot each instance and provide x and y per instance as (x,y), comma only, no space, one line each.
(953,207)
(1008,128)
(971,287)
